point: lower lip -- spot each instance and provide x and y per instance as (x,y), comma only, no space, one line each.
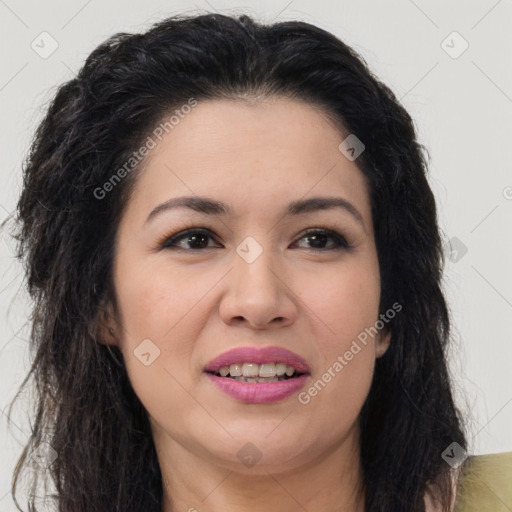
(258,392)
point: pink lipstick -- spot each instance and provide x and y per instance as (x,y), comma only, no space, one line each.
(258,374)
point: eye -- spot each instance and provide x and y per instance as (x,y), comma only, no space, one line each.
(198,238)
(319,237)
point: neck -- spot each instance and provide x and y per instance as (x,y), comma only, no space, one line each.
(330,482)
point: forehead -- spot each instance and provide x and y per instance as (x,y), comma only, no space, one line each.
(253,157)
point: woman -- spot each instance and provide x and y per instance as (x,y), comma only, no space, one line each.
(236,265)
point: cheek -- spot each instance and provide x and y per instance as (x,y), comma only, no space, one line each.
(159,311)
(347,304)
(341,382)
(346,300)
(157,302)
(333,400)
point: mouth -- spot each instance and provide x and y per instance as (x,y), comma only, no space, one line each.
(263,362)
(258,374)
(261,373)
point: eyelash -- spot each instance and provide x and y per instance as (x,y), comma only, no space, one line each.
(167,242)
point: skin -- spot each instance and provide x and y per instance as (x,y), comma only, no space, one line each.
(195,304)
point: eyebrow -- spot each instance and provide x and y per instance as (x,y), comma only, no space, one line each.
(212,207)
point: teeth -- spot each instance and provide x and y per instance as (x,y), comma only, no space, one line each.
(290,370)
(258,379)
(250,369)
(267,370)
(271,379)
(235,370)
(253,372)
(280,369)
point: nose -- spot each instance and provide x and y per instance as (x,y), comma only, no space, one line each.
(259,294)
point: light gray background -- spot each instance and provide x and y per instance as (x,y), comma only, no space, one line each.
(462,108)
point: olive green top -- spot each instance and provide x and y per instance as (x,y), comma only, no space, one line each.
(486,484)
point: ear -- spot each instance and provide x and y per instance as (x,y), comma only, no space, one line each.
(382,342)
(105,325)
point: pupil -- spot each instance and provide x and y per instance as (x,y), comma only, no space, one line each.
(317,238)
(193,240)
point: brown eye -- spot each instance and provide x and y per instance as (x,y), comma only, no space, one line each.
(318,238)
(196,238)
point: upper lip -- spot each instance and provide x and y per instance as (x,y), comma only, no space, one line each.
(258,355)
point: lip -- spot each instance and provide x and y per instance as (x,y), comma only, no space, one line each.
(258,355)
(258,392)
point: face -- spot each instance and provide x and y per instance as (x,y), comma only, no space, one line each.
(255,276)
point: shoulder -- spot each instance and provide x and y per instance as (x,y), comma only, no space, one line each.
(482,483)
(485,484)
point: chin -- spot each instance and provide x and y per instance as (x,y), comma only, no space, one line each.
(261,453)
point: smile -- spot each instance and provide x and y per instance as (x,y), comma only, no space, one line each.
(258,392)
(258,374)
(254,372)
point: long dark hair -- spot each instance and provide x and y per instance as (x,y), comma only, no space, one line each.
(86,408)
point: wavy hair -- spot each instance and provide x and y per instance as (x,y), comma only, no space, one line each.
(86,408)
